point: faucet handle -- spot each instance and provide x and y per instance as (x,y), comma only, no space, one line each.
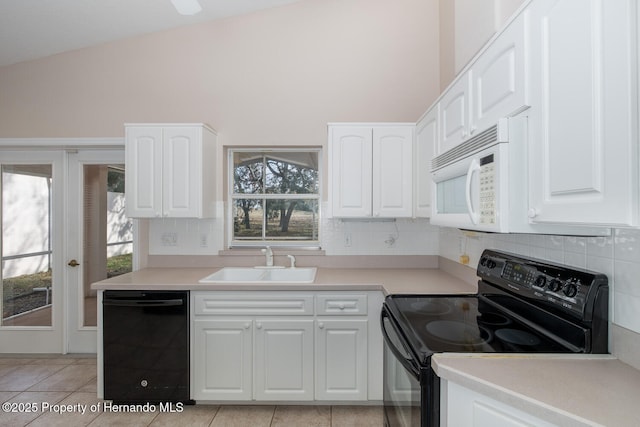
(269,256)
(293,261)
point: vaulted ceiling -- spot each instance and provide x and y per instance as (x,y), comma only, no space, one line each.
(32,29)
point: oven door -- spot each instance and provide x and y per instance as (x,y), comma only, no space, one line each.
(402,389)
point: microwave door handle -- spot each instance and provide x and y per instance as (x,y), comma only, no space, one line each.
(473,168)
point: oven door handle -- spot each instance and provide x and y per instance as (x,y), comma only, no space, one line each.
(406,363)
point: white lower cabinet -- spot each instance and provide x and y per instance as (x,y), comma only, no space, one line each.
(341,359)
(286,346)
(462,407)
(230,344)
(283,359)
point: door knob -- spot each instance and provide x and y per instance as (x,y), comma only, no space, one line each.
(73,263)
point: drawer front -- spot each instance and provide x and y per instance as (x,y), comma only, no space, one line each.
(348,305)
(208,304)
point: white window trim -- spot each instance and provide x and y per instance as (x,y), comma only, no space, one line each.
(307,244)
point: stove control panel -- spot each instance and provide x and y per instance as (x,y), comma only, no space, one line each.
(565,288)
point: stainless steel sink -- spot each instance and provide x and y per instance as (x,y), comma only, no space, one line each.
(262,275)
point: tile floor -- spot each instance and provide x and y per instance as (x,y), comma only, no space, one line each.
(61,391)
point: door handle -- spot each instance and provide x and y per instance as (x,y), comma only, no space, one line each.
(73,263)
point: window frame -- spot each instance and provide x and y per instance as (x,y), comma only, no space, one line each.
(231,197)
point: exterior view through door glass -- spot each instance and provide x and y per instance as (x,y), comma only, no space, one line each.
(32,277)
(26,245)
(108,234)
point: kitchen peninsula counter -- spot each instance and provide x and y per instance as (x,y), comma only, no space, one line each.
(387,280)
(565,390)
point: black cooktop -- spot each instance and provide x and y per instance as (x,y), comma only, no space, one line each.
(465,324)
(522,306)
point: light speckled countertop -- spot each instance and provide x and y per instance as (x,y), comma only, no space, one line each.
(390,281)
(567,390)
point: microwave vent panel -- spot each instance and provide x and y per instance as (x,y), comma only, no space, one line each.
(479,142)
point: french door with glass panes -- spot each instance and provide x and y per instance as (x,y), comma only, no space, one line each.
(63,228)
(99,238)
(32,276)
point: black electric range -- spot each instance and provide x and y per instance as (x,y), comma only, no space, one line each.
(522,306)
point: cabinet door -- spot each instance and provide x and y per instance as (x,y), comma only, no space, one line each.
(350,171)
(454,115)
(582,163)
(143,157)
(462,407)
(341,359)
(426,140)
(222,358)
(393,171)
(284,359)
(498,79)
(182,149)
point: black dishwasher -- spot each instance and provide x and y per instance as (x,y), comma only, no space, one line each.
(146,346)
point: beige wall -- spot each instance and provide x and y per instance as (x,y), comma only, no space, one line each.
(273,77)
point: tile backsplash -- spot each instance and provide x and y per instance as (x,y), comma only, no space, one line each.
(399,237)
(617,256)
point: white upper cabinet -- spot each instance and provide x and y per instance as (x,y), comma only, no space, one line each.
(583,141)
(370,170)
(350,166)
(426,140)
(498,77)
(170,171)
(454,114)
(492,86)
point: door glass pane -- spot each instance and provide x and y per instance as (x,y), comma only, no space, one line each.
(108,233)
(26,245)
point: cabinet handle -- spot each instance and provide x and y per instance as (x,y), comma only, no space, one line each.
(259,325)
(321,325)
(247,325)
(341,306)
(532,213)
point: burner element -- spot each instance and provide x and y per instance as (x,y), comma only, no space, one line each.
(517,337)
(431,308)
(458,333)
(493,319)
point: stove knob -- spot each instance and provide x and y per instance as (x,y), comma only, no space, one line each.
(540,282)
(491,263)
(570,290)
(483,261)
(555,285)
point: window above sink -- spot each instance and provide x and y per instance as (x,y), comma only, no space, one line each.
(274,197)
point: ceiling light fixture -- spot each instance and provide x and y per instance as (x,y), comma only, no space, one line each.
(187,7)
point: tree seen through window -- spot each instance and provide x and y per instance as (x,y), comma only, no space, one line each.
(275,196)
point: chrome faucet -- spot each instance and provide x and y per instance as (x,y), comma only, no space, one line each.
(268,253)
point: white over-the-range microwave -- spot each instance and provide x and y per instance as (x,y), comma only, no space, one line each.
(481,184)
